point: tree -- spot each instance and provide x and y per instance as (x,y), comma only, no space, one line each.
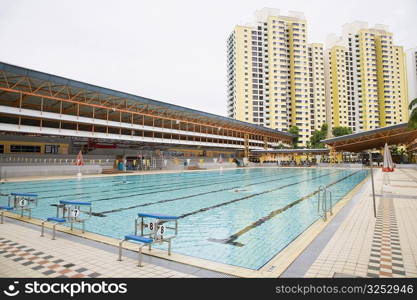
(296,132)
(339,131)
(401,152)
(412,122)
(398,150)
(317,136)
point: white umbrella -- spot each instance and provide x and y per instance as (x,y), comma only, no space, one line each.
(388,164)
(390,160)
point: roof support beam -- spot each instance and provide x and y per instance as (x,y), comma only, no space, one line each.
(46,91)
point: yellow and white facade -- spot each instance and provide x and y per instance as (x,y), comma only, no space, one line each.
(336,83)
(317,88)
(239,85)
(400,68)
(268,81)
(367,84)
(278,80)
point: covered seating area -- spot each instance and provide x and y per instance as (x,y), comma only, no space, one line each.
(399,134)
(290,157)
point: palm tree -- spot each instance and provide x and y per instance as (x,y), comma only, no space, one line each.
(412,122)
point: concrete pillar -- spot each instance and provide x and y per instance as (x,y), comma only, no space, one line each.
(246,144)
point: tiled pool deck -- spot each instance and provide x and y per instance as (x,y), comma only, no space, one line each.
(386,246)
(24,254)
(353,244)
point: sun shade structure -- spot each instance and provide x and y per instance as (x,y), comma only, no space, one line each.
(376,138)
(39,103)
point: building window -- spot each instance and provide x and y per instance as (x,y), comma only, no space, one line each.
(1,148)
(51,149)
(25,148)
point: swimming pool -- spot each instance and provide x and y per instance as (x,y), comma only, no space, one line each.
(241,217)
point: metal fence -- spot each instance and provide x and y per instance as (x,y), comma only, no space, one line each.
(33,160)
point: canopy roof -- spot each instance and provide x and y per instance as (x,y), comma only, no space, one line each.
(291,151)
(398,134)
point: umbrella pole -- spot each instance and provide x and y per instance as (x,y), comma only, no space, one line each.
(372,180)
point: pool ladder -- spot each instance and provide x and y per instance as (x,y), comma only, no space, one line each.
(324,197)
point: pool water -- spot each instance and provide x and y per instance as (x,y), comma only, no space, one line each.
(241,217)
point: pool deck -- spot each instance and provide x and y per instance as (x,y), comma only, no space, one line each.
(351,243)
(365,246)
(23,253)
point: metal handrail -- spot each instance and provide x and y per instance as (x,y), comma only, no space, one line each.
(320,189)
(331,201)
(322,193)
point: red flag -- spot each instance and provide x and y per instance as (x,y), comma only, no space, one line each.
(79,161)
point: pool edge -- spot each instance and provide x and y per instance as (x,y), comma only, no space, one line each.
(281,261)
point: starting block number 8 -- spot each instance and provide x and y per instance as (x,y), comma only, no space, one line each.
(161,230)
(152,226)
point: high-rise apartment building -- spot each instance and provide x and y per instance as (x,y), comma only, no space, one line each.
(336,84)
(366,78)
(278,80)
(317,88)
(268,72)
(412,73)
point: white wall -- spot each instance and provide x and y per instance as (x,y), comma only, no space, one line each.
(50,170)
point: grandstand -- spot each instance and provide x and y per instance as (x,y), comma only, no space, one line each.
(47,119)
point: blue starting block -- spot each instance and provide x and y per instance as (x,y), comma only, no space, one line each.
(21,202)
(153,231)
(69,212)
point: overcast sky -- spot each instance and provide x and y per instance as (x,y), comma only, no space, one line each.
(174,50)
